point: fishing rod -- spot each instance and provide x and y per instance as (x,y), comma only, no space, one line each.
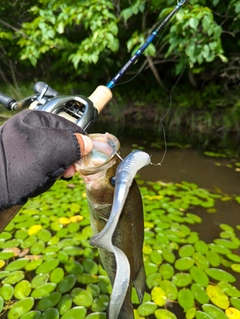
(79,109)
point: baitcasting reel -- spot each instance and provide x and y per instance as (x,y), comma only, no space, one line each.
(79,109)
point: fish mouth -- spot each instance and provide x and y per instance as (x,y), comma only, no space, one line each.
(105,148)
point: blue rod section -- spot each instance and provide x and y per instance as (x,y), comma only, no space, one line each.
(137,54)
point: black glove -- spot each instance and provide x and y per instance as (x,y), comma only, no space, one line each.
(35,148)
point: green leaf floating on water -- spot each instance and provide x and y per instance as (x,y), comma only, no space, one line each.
(39,280)
(202,315)
(186,251)
(47,266)
(57,275)
(213,258)
(217,297)
(67,283)
(170,289)
(201,246)
(14,277)
(220,275)
(20,307)
(50,313)
(214,312)
(75,313)
(43,290)
(182,279)
(22,289)
(81,297)
(166,271)
(147,308)
(34,314)
(6,291)
(230,290)
(153,280)
(199,293)
(235,302)
(186,298)
(190,314)
(236,267)
(226,243)
(184,263)
(199,276)
(164,314)
(64,304)
(49,300)
(159,296)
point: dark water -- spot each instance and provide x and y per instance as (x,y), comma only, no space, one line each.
(195,167)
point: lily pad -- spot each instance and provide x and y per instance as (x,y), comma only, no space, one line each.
(199,293)
(43,290)
(57,275)
(232,313)
(47,266)
(153,280)
(22,289)
(39,280)
(164,314)
(214,311)
(186,251)
(17,264)
(6,292)
(75,313)
(220,275)
(20,307)
(64,304)
(170,289)
(159,296)
(217,297)
(230,290)
(147,308)
(182,279)
(166,271)
(235,302)
(184,263)
(49,301)
(81,297)
(67,283)
(14,277)
(50,313)
(100,303)
(34,314)
(199,276)
(202,315)
(185,299)
(213,258)
(201,246)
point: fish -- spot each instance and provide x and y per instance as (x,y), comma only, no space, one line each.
(98,171)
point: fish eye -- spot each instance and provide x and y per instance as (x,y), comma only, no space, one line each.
(112,180)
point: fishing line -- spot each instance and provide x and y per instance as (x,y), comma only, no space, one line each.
(164,116)
(144,63)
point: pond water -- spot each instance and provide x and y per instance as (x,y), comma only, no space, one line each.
(194,167)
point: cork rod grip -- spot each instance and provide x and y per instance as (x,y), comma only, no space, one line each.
(101,97)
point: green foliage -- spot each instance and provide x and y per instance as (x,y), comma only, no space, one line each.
(197,35)
(72,38)
(82,31)
(48,268)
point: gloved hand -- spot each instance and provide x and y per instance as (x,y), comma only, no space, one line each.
(36,148)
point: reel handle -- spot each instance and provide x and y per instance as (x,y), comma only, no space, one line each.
(7,101)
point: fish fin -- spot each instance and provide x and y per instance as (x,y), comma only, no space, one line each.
(140,283)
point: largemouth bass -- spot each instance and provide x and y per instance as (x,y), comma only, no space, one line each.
(98,171)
